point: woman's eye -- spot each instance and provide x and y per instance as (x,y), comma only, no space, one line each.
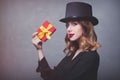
(75,23)
(67,25)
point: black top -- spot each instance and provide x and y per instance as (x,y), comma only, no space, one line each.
(83,67)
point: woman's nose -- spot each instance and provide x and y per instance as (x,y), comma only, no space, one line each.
(68,29)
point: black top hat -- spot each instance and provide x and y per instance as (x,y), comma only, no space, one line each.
(79,11)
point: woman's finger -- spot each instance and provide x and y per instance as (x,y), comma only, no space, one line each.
(36,40)
(34,34)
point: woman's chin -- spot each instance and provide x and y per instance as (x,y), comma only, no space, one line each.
(72,40)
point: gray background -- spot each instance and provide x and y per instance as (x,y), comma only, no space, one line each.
(20,18)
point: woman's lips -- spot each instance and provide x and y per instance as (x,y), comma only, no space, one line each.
(70,35)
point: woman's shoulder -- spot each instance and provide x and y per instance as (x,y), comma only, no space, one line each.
(90,55)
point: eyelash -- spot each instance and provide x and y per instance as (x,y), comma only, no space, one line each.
(67,25)
(74,23)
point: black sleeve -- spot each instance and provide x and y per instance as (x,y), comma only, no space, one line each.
(46,72)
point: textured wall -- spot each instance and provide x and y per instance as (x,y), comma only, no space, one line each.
(20,18)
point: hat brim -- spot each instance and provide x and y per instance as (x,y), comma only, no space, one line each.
(93,19)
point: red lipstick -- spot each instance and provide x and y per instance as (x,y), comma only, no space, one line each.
(70,35)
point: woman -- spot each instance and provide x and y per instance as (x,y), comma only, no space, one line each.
(82,60)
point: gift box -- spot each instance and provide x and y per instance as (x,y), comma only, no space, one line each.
(45,31)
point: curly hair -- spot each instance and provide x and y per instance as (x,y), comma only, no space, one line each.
(87,41)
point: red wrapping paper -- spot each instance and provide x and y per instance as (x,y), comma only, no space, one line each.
(45,31)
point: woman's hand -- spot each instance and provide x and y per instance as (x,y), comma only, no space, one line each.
(38,44)
(36,41)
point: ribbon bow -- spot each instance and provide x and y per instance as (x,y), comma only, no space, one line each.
(45,32)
